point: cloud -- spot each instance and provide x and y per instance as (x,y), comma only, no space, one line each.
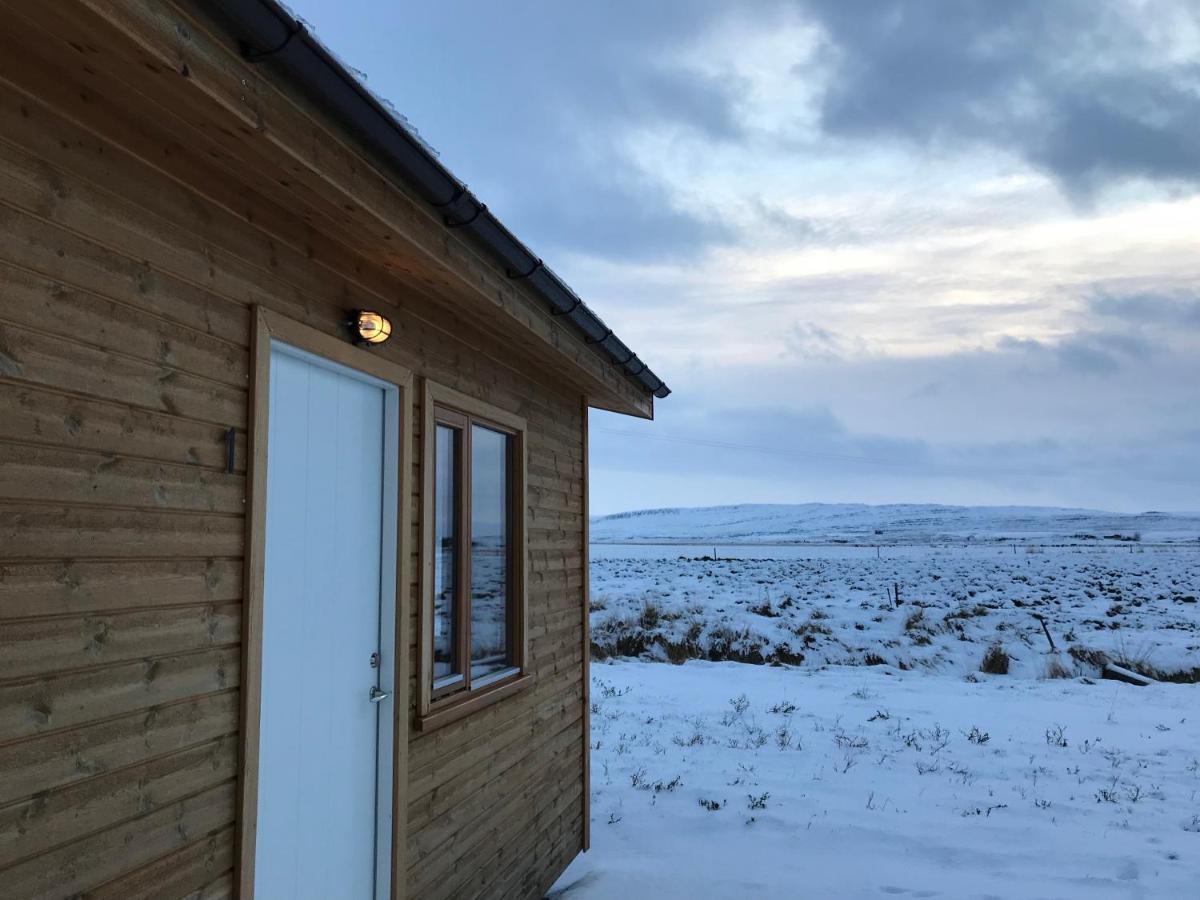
(956,235)
(1088,92)
(1087,353)
(1025,424)
(809,341)
(1173,308)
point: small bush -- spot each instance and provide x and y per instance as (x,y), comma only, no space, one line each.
(765,608)
(1057,736)
(650,615)
(995,661)
(975,736)
(1055,669)
(783,737)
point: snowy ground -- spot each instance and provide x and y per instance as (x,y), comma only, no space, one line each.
(874,758)
(813,605)
(726,780)
(902,523)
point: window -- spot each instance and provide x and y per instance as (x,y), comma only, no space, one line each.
(473,637)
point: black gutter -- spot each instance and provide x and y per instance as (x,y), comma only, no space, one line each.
(267,31)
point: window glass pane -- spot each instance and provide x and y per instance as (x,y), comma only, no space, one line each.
(445,551)
(490,521)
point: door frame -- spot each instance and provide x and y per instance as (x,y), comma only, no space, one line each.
(270,326)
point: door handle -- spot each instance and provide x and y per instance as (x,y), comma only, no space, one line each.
(377,695)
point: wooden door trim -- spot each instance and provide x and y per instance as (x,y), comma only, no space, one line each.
(586,837)
(267,326)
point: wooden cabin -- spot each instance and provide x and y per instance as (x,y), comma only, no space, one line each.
(286,609)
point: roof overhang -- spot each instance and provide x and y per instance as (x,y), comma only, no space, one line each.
(267,33)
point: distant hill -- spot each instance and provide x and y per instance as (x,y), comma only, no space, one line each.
(890,524)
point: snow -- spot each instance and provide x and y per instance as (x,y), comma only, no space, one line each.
(873,758)
(1137,605)
(896,523)
(873,782)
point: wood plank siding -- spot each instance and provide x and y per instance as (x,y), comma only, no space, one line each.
(155,189)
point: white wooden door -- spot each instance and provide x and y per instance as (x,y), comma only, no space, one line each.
(324,767)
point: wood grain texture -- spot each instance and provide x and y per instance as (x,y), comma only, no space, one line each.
(43,646)
(36,706)
(73,812)
(201,869)
(64,757)
(50,418)
(100,857)
(86,587)
(145,219)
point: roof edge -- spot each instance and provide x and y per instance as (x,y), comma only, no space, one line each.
(266,30)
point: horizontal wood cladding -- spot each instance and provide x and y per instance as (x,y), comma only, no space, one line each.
(72,365)
(51,475)
(102,856)
(51,306)
(73,812)
(141,221)
(38,531)
(39,646)
(63,757)
(35,706)
(46,417)
(73,587)
(201,870)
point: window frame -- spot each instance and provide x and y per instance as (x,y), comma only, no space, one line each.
(456,696)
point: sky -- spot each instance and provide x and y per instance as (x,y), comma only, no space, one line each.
(882,251)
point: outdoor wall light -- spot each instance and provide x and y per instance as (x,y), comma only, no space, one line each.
(369,327)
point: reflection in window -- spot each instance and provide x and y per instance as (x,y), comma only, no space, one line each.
(445,551)
(490,565)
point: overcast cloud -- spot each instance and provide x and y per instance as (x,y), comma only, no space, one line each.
(885,250)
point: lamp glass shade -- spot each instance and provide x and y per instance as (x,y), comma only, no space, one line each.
(372,327)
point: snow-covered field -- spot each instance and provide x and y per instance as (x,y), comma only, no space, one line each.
(1134,604)
(903,523)
(726,780)
(873,758)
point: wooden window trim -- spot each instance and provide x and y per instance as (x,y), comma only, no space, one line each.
(441,706)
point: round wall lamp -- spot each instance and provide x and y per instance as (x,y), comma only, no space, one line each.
(369,327)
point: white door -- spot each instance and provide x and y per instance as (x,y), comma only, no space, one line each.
(324,767)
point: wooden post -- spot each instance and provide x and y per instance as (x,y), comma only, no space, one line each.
(1046,630)
(587,649)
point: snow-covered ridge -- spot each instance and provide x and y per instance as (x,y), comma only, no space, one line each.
(905,523)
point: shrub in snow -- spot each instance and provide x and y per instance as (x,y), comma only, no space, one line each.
(995,661)
(1056,669)
(1056,736)
(758,802)
(650,616)
(975,736)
